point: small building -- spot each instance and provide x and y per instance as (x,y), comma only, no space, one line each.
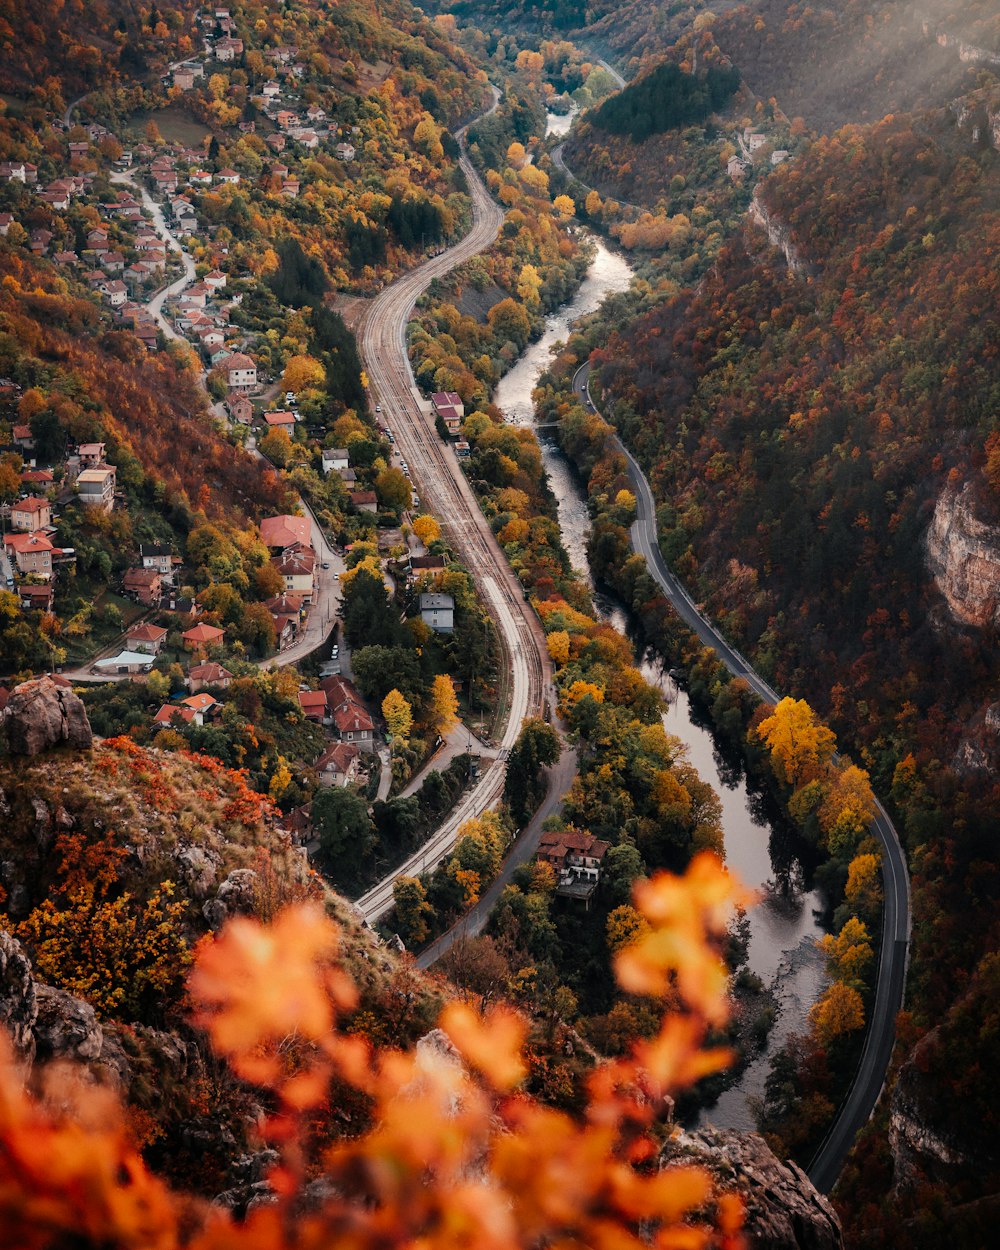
(91,455)
(279,532)
(240,408)
(146,638)
(208,674)
(282,420)
(242,372)
(296,565)
(438,611)
(115,292)
(228,176)
(344,151)
(143,585)
(364,500)
(313,705)
(37,598)
(577,858)
(177,715)
(202,704)
(338,765)
(126,662)
(335,458)
(157,557)
(354,724)
(33,513)
(32,552)
(96,488)
(202,636)
(779,155)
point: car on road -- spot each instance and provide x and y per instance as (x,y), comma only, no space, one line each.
(289,397)
(334,651)
(378,407)
(325,564)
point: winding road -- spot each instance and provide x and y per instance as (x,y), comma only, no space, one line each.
(869,1079)
(443,486)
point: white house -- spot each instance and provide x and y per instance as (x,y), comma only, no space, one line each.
(438,611)
(242,372)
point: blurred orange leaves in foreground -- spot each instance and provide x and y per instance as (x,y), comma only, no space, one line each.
(455,1157)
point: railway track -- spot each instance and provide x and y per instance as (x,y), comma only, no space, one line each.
(446,492)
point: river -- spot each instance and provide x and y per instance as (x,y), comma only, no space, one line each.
(784,925)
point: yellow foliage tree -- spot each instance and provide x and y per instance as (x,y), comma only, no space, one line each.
(444,704)
(625,926)
(801,746)
(849,953)
(839,1011)
(426,529)
(848,809)
(529,284)
(558,645)
(564,206)
(863,892)
(303,373)
(516,155)
(281,779)
(625,503)
(398,714)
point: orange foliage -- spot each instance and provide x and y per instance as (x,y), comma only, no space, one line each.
(453,1157)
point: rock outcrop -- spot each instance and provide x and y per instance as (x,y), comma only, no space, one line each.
(42,714)
(18,1002)
(783,1210)
(919,1151)
(66,1027)
(778,236)
(237,896)
(963,555)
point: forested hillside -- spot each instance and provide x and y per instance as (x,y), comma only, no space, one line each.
(800,426)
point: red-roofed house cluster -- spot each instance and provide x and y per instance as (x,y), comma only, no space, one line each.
(576,857)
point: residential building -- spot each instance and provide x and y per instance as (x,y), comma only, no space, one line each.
(353,724)
(280,421)
(279,532)
(577,858)
(156,557)
(143,585)
(30,514)
(242,372)
(96,488)
(146,638)
(115,292)
(209,674)
(344,151)
(178,715)
(364,500)
(335,458)
(202,636)
(91,455)
(240,408)
(296,565)
(338,765)
(202,704)
(438,611)
(32,552)
(37,598)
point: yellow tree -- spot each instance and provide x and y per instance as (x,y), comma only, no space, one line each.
(849,953)
(564,206)
(426,529)
(558,645)
(847,810)
(625,926)
(864,890)
(801,746)
(839,1011)
(444,704)
(398,714)
(303,373)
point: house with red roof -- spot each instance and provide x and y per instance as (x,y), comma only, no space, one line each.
(279,532)
(313,705)
(177,714)
(202,635)
(147,638)
(208,674)
(32,552)
(33,513)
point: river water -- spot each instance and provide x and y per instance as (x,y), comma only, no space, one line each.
(784,925)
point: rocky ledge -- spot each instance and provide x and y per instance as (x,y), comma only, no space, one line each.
(783,1209)
(42,714)
(963,555)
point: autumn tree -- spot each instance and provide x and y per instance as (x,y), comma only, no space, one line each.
(840,1010)
(346,835)
(426,529)
(398,715)
(849,954)
(393,490)
(413,912)
(537,746)
(444,705)
(303,373)
(801,746)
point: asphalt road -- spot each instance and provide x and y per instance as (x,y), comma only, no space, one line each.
(869,1080)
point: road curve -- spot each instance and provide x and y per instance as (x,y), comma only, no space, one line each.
(445,490)
(869,1079)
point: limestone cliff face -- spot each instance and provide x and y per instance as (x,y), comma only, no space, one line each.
(778,236)
(963,554)
(918,1148)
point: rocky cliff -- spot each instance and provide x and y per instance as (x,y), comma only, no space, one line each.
(778,236)
(783,1210)
(42,714)
(963,555)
